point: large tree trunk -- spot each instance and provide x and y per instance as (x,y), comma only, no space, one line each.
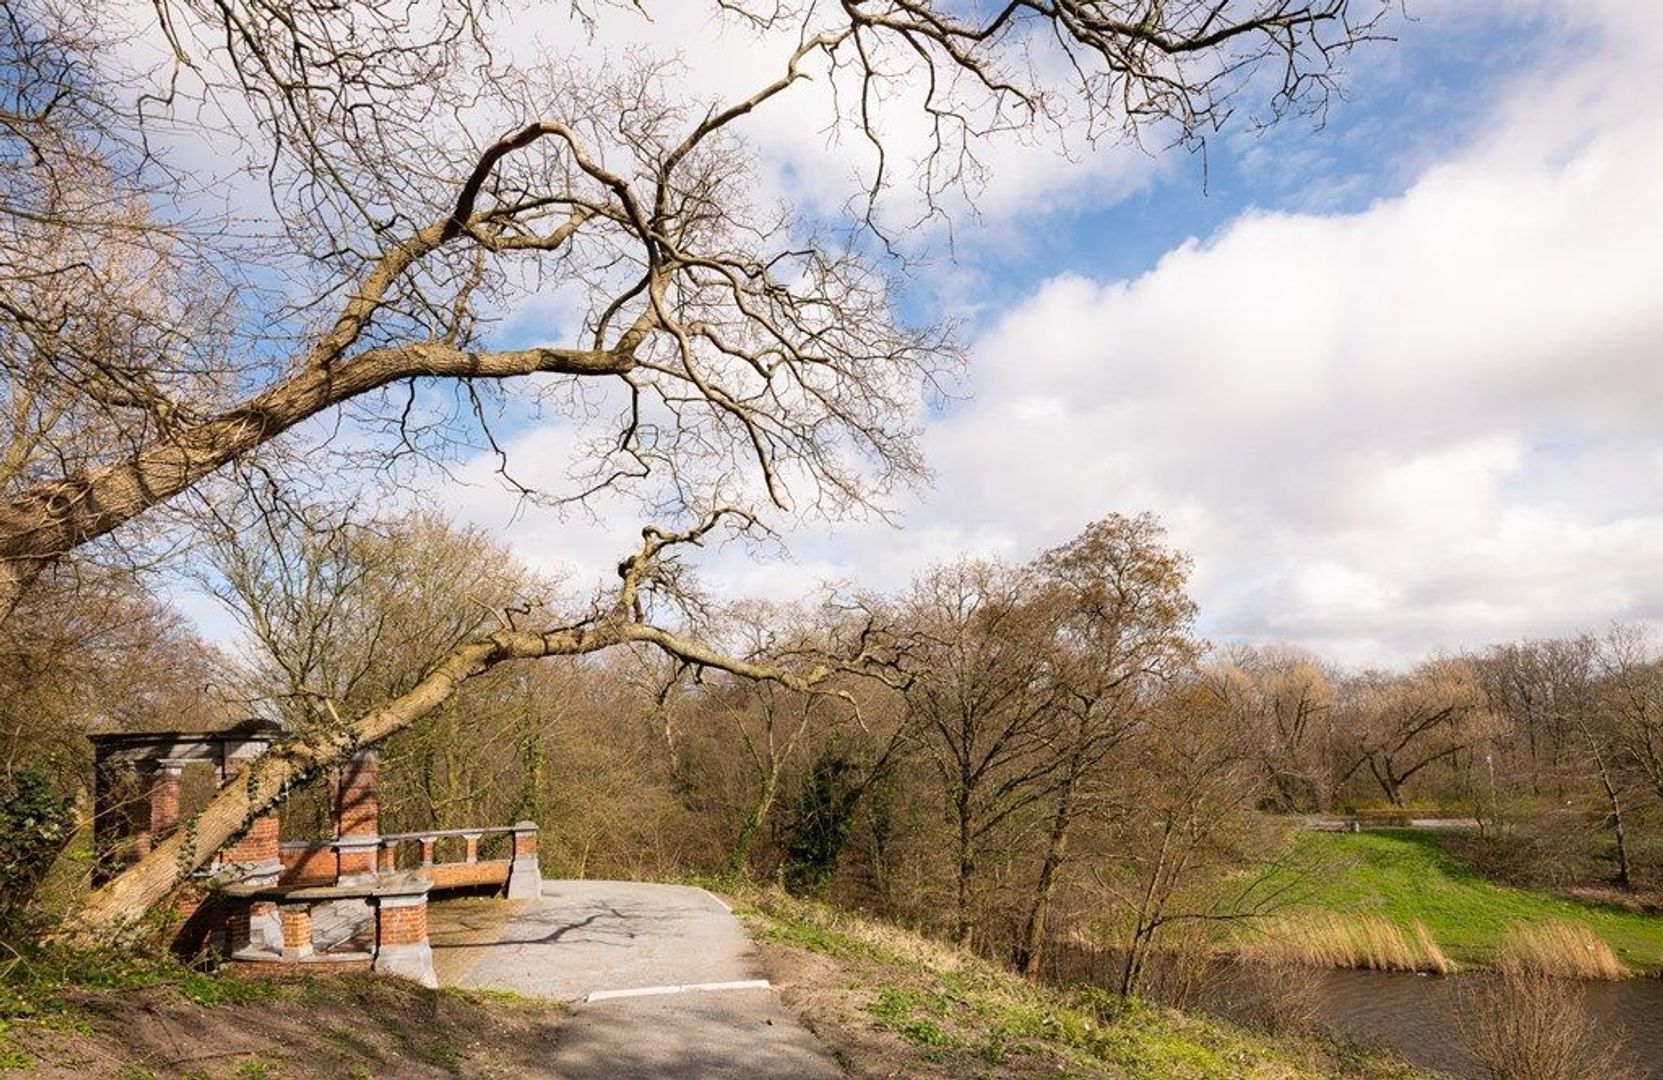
(50,520)
(964,925)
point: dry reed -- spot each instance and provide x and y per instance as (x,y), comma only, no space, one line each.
(1334,940)
(1559,949)
(1523,1025)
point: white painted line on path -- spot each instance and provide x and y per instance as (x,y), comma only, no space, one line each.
(691,988)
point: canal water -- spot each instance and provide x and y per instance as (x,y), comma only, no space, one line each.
(1417,1016)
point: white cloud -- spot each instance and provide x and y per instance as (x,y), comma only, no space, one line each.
(1429,423)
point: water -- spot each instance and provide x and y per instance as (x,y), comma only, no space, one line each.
(1418,1016)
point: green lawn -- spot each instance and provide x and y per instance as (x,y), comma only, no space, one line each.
(1406,874)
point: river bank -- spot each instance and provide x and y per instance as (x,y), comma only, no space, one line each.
(1410,877)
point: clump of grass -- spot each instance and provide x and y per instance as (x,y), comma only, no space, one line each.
(1338,940)
(1559,949)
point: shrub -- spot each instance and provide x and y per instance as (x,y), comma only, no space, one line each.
(35,825)
(1526,1025)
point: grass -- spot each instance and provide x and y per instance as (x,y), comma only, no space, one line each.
(957,1015)
(1407,876)
(72,1015)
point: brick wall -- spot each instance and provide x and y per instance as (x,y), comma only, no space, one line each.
(405,924)
(258,846)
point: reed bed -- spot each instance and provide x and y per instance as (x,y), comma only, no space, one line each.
(1336,940)
(1558,948)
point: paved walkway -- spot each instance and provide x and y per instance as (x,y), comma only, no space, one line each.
(663,980)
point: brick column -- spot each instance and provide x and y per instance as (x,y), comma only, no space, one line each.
(239,929)
(357,818)
(472,841)
(297,930)
(525,877)
(401,945)
(254,860)
(164,802)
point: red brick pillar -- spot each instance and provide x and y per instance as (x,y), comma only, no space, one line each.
(256,849)
(401,945)
(254,859)
(357,818)
(164,802)
(297,930)
(239,929)
(472,842)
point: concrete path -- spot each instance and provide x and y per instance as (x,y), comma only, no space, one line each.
(663,980)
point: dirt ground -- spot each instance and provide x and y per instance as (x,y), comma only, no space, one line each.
(349,1026)
(460,930)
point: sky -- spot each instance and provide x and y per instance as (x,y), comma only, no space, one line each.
(1391,380)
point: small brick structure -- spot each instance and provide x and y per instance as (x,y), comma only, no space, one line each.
(398,903)
(343,902)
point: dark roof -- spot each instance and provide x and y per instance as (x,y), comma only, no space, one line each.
(253,727)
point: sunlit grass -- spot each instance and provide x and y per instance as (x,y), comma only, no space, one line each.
(1408,876)
(967,1015)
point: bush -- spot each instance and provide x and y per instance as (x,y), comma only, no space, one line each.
(1525,1025)
(35,826)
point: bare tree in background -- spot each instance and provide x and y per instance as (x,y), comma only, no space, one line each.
(1123,624)
(1401,726)
(1289,698)
(1632,692)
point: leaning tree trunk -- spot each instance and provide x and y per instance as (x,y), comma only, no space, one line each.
(154,877)
(1030,949)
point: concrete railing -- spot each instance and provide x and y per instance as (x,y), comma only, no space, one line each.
(518,872)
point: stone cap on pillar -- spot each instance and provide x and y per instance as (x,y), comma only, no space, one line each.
(386,885)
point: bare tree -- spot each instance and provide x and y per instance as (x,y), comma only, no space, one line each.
(1632,692)
(1193,784)
(724,351)
(1123,627)
(1401,726)
(1289,698)
(981,700)
(740,345)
